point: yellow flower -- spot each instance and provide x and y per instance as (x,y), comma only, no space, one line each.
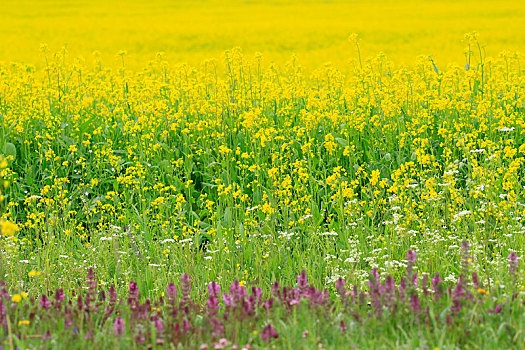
(23,322)
(374,178)
(483,291)
(34,273)
(16,298)
(8,228)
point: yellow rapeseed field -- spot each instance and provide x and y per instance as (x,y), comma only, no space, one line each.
(259,157)
(316,31)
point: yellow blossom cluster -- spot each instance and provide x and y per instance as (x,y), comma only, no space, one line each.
(178,151)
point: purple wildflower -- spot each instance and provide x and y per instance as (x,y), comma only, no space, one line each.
(411,276)
(276,290)
(475,280)
(302,283)
(218,327)
(186,326)
(268,333)
(257,293)
(238,292)
(513,264)
(402,287)
(91,274)
(341,290)
(102,295)
(186,288)
(90,295)
(466,257)
(374,275)
(159,328)
(390,284)
(267,305)
(112,294)
(3,313)
(340,286)
(228,300)
(171,293)
(133,293)
(140,338)
(44,302)
(214,289)
(495,310)
(112,300)
(59,295)
(436,285)
(213,305)
(411,261)
(80,303)
(414,304)
(424,284)
(119,327)
(46,336)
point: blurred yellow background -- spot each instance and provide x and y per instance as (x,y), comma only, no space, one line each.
(316,31)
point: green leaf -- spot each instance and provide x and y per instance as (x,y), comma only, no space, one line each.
(342,141)
(9,150)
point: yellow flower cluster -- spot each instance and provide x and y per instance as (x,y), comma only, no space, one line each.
(175,151)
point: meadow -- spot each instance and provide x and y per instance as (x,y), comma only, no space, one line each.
(378,176)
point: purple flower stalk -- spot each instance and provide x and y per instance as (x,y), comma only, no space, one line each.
(186,288)
(171,294)
(159,328)
(90,295)
(513,264)
(268,333)
(112,294)
(119,327)
(415,304)
(436,285)
(44,302)
(411,261)
(496,310)
(133,293)
(213,305)
(214,289)
(466,257)
(302,283)
(475,280)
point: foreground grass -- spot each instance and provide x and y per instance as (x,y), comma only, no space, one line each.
(419,311)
